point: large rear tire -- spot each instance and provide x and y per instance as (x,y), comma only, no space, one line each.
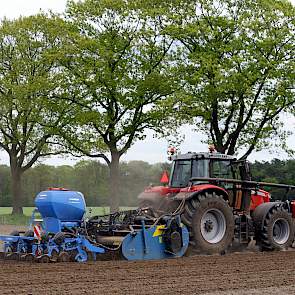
(211,223)
(277,232)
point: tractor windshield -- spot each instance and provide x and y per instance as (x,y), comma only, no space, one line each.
(184,170)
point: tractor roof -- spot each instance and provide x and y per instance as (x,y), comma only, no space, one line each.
(200,155)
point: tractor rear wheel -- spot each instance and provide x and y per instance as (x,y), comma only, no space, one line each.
(211,223)
(277,232)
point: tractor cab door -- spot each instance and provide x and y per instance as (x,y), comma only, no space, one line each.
(220,168)
(242,194)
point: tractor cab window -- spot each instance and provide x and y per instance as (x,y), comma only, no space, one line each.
(184,170)
(181,173)
(200,168)
(221,169)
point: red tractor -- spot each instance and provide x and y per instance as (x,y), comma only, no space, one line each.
(220,204)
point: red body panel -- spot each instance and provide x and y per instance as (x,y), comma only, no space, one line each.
(293,208)
(202,187)
(165,190)
(258,198)
(162,190)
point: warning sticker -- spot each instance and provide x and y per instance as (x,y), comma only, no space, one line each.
(159,230)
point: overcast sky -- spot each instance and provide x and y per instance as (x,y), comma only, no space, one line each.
(151,150)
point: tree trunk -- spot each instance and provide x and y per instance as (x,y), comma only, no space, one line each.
(114,182)
(16,189)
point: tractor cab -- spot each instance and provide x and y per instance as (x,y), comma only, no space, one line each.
(209,171)
(195,169)
(206,165)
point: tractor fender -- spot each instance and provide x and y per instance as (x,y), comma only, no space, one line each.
(200,189)
(260,212)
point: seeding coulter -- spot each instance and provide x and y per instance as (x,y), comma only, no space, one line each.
(209,204)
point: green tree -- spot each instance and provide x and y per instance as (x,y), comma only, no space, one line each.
(5,191)
(91,178)
(118,63)
(238,63)
(28,79)
(35,180)
(276,171)
(135,177)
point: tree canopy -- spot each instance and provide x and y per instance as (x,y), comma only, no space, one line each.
(28,79)
(118,63)
(238,64)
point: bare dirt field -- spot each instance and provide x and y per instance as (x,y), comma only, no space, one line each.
(7,229)
(244,273)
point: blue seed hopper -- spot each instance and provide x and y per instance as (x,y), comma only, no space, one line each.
(60,209)
(64,234)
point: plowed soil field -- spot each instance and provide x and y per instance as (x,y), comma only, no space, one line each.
(243,273)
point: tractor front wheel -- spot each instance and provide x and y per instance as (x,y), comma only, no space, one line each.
(211,223)
(278,230)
